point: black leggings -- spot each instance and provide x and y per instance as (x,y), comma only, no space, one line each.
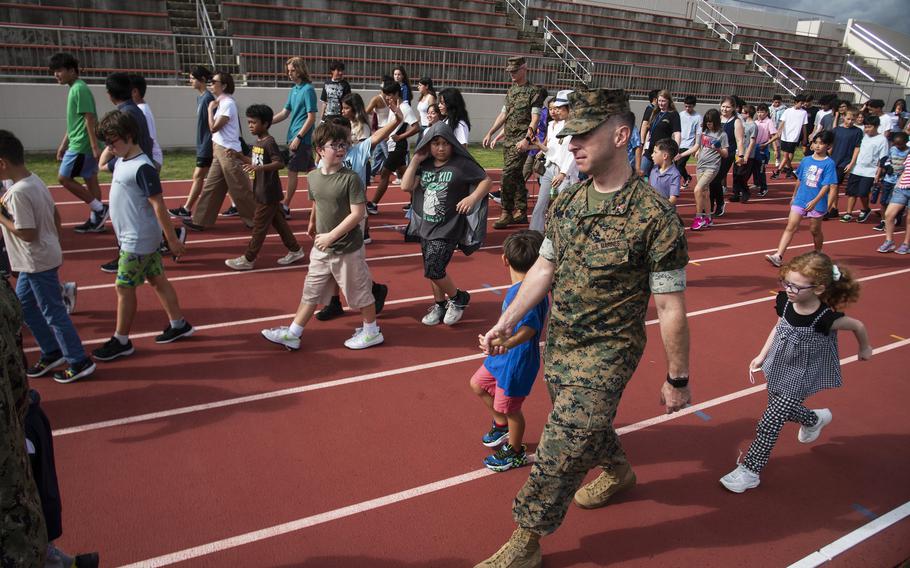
(780,409)
(717,184)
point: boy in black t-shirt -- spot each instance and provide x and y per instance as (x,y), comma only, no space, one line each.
(334,90)
(263,166)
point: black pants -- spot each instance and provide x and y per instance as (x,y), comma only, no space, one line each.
(741,175)
(716,189)
(681,166)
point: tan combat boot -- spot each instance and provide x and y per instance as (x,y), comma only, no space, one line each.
(521,551)
(504,220)
(608,483)
(519,217)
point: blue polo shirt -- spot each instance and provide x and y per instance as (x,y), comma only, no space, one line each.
(301,101)
(516,369)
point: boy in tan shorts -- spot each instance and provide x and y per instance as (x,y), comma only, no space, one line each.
(338,255)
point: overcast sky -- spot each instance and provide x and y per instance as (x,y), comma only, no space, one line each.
(894,14)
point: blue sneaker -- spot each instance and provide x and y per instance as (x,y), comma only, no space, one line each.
(506,458)
(496,436)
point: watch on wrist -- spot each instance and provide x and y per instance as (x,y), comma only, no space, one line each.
(300,137)
(678,382)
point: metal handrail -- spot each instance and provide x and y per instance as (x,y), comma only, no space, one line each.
(853,85)
(878,43)
(770,60)
(572,56)
(520,7)
(208,31)
(707,14)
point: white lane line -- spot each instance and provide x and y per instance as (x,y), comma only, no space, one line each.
(414,492)
(338,382)
(848,541)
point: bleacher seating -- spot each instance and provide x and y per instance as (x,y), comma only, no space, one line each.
(146,15)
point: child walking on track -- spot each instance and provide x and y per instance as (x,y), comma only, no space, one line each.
(712,148)
(263,167)
(816,187)
(447,183)
(338,254)
(800,356)
(138,215)
(507,375)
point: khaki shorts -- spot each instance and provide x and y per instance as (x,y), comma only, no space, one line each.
(351,272)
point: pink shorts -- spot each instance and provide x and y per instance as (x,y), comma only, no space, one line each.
(501,401)
(803,213)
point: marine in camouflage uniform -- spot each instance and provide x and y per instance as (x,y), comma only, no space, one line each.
(608,251)
(23,536)
(518,119)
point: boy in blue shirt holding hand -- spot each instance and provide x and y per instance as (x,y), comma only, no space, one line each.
(507,374)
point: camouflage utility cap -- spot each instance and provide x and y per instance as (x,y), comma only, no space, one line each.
(591,108)
(515,63)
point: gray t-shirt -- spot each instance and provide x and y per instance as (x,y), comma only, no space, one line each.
(708,154)
(135,181)
(749,130)
(31,206)
(333,195)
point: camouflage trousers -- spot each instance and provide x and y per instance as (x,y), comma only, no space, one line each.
(514,191)
(23,536)
(578,437)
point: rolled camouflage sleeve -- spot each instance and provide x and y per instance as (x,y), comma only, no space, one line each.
(547,250)
(668,255)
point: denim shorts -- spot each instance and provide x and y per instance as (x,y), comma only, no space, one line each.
(76,165)
(900,196)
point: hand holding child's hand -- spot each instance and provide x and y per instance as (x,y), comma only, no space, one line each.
(491,342)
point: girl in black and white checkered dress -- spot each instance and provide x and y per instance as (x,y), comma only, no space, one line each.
(800,356)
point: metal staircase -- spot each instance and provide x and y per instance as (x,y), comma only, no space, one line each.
(201,37)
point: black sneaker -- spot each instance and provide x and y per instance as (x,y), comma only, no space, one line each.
(173,334)
(111,267)
(366,233)
(286,211)
(113,349)
(84,227)
(230,212)
(97,220)
(331,310)
(863,215)
(880,226)
(188,223)
(744,197)
(45,364)
(832,213)
(775,175)
(88,560)
(181,212)
(762,192)
(380,292)
(406,208)
(372,208)
(81,369)
(734,198)
(720,209)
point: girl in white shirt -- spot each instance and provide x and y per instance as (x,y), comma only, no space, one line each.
(455,113)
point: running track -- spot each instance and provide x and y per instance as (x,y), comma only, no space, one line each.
(226,450)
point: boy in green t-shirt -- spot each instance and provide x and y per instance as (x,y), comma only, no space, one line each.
(79,151)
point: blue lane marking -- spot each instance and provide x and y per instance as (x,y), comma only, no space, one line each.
(866,512)
(497,292)
(702,415)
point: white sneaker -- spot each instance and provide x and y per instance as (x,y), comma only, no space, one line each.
(808,434)
(69,296)
(434,315)
(361,339)
(239,263)
(291,257)
(282,336)
(740,479)
(455,310)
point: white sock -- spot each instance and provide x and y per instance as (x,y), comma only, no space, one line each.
(295,330)
(177,324)
(371,327)
(123,339)
(96,206)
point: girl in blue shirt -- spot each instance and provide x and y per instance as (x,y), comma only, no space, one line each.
(816,186)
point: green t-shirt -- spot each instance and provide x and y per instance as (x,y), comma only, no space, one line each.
(333,195)
(596,199)
(78,102)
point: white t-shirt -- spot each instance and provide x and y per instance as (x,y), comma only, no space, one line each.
(422,106)
(794,119)
(410,119)
(871,151)
(462,132)
(886,123)
(229,135)
(690,129)
(157,154)
(31,206)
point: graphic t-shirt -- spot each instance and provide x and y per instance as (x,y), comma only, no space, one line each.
(79,101)
(266,185)
(333,195)
(813,176)
(441,188)
(516,369)
(709,153)
(332,93)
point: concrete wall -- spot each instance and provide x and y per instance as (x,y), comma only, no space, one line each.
(37,113)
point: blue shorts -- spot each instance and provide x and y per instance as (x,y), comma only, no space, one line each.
(76,165)
(900,196)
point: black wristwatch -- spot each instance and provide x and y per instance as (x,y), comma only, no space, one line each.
(678,382)
(299,137)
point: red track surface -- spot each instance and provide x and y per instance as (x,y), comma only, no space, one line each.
(152,487)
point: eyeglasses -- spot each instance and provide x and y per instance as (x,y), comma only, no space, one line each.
(111,141)
(795,288)
(338,146)
(212,82)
